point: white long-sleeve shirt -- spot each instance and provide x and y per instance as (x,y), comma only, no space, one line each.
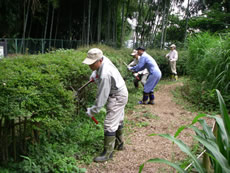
(109,82)
(172,55)
(134,63)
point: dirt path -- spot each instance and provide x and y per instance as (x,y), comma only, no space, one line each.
(163,117)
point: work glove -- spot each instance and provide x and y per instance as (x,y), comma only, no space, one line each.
(88,113)
(93,76)
(130,68)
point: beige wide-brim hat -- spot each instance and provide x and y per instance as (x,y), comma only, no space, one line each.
(134,52)
(93,55)
(173,45)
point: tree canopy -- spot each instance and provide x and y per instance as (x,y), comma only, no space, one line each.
(106,20)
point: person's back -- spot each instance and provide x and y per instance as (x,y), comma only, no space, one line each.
(150,63)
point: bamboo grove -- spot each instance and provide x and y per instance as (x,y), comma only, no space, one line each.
(154,22)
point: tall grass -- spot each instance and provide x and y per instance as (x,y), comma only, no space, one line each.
(209,65)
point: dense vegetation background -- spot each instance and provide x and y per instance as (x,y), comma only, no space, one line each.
(154,22)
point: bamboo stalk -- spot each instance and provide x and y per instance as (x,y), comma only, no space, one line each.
(24,136)
(14,140)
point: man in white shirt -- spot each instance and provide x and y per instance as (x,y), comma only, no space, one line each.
(173,57)
(113,91)
(141,75)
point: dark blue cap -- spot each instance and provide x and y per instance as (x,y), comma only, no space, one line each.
(140,48)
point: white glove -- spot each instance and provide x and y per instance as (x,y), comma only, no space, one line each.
(88,113)
(135,74)
(93,76)
(130,68)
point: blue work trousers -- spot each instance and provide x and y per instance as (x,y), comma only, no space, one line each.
(152,81)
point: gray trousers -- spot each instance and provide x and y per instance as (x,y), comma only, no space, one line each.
(115,110)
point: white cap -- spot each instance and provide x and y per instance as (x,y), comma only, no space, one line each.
(134,52)
(94,54)
(173,45)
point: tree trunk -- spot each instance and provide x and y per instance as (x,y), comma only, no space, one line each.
(56,30)
(166,23)
(156,23)
(88,28)
(99,22)
(25,24)
(163,26)
(108,22)
(51,27)
(115,22)
(122,23)
(186,24)
(47,18)
(83,37)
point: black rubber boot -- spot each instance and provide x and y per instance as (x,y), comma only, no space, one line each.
(109,142)
(119,143)
(151,98)
(145,98)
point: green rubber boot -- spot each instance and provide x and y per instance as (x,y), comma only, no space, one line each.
(119,143)
(109,142)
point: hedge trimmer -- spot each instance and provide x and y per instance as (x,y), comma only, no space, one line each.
(76,94)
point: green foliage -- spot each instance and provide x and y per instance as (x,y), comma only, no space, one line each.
(208,64)
(38,85)
(216,142)
(213,20)
(159,56)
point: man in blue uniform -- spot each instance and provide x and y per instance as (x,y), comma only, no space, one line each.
(146,61)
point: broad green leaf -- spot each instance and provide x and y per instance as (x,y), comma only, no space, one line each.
(157,160)
(213,148)
(224,113)
(180,129)
(222,130)
(198,131)
(193,122)
(185,149)
(198,117)
(207,130)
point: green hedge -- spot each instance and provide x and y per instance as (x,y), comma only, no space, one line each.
(38,86)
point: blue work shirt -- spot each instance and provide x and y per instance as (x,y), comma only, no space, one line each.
(146,61)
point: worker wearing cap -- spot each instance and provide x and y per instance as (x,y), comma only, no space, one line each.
(146,61)
(173,57)
(111,90)
(141,75)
